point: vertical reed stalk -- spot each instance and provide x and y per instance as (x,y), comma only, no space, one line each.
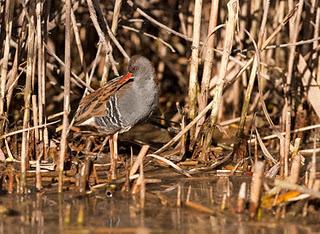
(255,191)
(294,26)
(114,27)
(10,172)
(295,164)
(66,103)
(194,63)
(208,62)
(233,8)
(254,70)
(313,168)
(9,6)
(79,45)
(41,80)
(241,198)
(280,16)
(142,186)
(316,43)
(46,16)
(27,95)
(115,17)
(12,81)
(37,145)
(254,12)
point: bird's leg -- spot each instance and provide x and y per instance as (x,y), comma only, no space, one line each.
(111,172)
(113,144)
(114,155)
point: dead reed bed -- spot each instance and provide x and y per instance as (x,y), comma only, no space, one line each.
(240,91)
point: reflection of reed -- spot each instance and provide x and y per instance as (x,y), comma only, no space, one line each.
(253,64)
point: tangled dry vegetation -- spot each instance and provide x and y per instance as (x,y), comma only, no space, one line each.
(239,87)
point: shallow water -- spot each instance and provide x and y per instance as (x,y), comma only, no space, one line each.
(121,213)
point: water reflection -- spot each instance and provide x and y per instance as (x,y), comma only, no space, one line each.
(52,213)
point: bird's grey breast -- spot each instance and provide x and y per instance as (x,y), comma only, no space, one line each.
(138,103)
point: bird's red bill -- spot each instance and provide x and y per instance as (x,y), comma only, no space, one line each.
(125,78)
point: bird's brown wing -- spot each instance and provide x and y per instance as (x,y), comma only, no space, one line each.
(94,104)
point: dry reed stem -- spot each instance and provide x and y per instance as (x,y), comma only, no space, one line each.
(275,32)
(114,26)
(179,195)
(96,24)
(66,100)
(255,69)
(313,90)
(255,13)
(36,134)
(38,176)
(13,80)
(237,61)
(95,10)
(78,40)
(264,148)
(241,198)
(286,150)
(298,43)
(194,62)
(255,191)
(183,147)
(79,45)
(313,167)
(233,9)
(296,163)
(27,106)
(294,26)
(142,186)
(75,79)
(245,106)
(162,50)
(9,6)
(40,70)
(186,129)
(317,54)
(211,166)
(168,162)
(151,36)
(156,22)
(139,159)
(46,17)
(27,129)
(35,118)
(113,145)
(208,62)
(110,33)
(311,127)
(84,174)
(115,17)
(10,172)
(10,157)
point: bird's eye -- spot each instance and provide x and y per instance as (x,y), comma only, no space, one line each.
(134,68)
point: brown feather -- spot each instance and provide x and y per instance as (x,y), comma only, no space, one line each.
(95,103)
